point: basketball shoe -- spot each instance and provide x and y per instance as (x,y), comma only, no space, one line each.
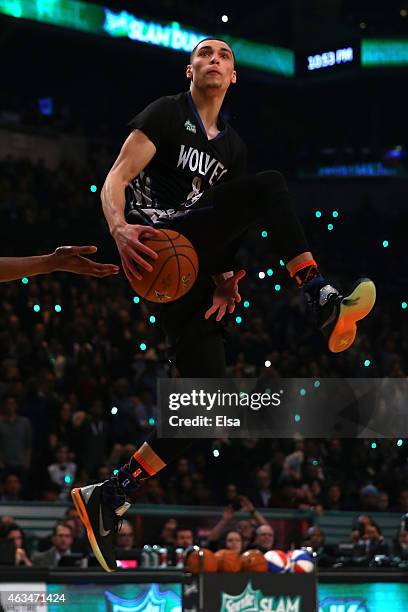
(101,507)
(338,315)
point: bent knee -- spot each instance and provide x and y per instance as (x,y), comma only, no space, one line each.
(272,180)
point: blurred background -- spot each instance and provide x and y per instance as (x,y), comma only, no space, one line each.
(320,97)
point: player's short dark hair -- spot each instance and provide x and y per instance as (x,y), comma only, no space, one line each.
(212,38)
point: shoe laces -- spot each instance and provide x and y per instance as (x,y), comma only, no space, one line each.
(327,294)
(113,493)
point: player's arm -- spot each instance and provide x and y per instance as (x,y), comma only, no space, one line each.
(137,151)
(64,259)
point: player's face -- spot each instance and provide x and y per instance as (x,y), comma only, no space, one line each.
(212,66)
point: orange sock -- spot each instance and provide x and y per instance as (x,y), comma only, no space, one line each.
(145,463)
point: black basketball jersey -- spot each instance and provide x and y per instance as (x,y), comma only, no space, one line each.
(186,163)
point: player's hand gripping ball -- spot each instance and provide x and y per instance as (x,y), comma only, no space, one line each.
(174,271)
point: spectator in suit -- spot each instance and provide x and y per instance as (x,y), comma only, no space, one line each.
(62,540)
(371,543)
(261,495)
(315,539)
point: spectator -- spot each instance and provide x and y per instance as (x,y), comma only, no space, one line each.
(261,494)
(315,539)
(15,533)
(78,529)
(383,501)
(167,534)
(62,428)
(15,438)
(90,438)
(402,505)
(287,496)
(229,494)
(371,543)
(233,541)
(184,537)
(333,499)
(369,498)
(359,525)
(103,473)
(79,540)
(50,492)
(264,538)
(247,530)
(62,541)
(11,488)
(401,546)
(63,471)
(125,536)
(244,527)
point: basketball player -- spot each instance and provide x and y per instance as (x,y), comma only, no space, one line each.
(182,167)
(64,259)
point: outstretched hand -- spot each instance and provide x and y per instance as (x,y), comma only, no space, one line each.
(226,295)
(71,259)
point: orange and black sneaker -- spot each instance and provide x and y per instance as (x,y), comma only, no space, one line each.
(338,315)
(101,507)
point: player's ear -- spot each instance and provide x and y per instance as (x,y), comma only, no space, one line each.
(189,71)
(234,76)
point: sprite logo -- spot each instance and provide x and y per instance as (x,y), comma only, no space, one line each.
(252,600)
(343,604)
(190,127)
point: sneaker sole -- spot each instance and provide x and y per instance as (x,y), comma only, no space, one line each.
(80,506)
(353,308)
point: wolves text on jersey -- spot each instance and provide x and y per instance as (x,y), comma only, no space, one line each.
(201,162)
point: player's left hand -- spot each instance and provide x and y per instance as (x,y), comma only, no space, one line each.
(71,259)
(226,295)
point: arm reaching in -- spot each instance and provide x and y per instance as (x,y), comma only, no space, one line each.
(64,259)
(217,530)
(136,153)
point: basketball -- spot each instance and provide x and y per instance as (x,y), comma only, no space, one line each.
(200,558)
(253,561)
(277,561)
(227,561)
(301,562)
(174,271)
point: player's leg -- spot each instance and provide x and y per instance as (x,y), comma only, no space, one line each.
(233,207)
(199,352)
